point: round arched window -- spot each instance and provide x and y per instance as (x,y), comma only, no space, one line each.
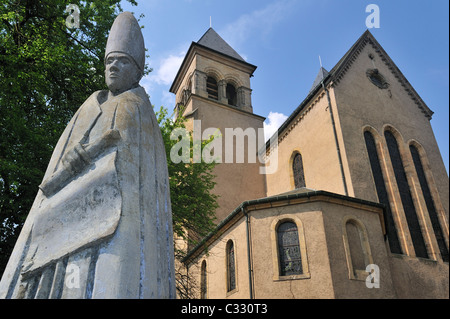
(377,78)
(290,261)
(299,175)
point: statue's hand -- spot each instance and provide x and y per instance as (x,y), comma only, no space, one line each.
(76,159)
(73,162)
(108,139)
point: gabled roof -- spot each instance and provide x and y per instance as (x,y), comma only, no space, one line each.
(339,70)
(344,64)
(212,40)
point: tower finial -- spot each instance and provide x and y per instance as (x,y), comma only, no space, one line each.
(320,61)
(210,21)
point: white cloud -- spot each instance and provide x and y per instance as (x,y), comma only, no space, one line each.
(147,84)
(272,123)
(259,22)
(167,69)
(168,100)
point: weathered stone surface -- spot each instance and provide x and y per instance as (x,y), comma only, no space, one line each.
(85,211)
(101,224)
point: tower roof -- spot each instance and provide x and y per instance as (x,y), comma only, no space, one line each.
(211,43)
(212,40)
(319,78)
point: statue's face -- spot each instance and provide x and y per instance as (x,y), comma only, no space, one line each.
(121,73)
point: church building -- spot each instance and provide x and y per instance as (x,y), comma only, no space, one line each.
(358,205)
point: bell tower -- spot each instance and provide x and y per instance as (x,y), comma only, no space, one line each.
(213,85)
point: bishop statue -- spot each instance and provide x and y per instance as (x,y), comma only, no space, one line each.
(101,223)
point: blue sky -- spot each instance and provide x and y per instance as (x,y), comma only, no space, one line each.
(284,38)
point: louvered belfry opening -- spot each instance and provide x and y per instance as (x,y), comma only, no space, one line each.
(231,94)
(212,88)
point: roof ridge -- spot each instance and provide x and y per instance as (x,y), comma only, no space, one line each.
(210,28)
(341,67)
(212,40)
(339,70)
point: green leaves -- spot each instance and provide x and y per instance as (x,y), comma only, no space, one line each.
(191,184)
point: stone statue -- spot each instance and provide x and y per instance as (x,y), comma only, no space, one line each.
(101,223)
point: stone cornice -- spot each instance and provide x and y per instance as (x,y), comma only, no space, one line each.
(279,201)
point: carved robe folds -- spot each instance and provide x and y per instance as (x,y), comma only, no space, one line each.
(103,210)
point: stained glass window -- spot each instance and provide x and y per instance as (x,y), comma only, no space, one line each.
(429,202)
(406,197)
(203,288)
(289,249)
(299,176)
(394,243)
(231,268)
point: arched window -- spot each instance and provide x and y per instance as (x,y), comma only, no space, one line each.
(203,281)
(429,202)
(356,253)
(405,195)
(290,261)
(357,248)
(212,88)
(231,266)
(380,186)
(297,167)
(354,242)
(231,94)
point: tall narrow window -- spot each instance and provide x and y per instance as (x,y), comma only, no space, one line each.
(203,282)
(231,94)
(380,186)
(289,249)
(212,88)
(405,195)
(355,246)
(231,267)
(429,202)
(297,167)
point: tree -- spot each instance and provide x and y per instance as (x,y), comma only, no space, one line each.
(193,203)
(46,72)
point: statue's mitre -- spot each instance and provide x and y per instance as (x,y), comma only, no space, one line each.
(126,37)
